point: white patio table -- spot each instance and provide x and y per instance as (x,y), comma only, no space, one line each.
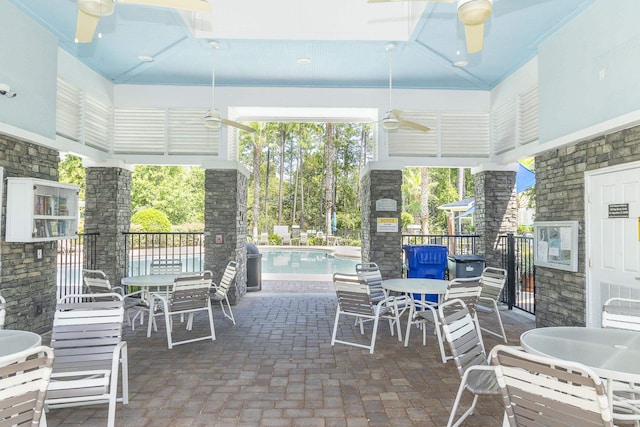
(148,283)
(613,354)
(410,286)
(13,341)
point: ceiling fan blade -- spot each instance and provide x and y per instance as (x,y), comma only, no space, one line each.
(192,5)
(86,26)
(390,1)
(237,125)
(414,125)
(475,37)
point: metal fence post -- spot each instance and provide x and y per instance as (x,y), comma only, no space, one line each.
(511,271)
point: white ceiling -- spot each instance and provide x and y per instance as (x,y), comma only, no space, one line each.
(260,42)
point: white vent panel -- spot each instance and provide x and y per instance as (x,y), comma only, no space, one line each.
(68,110)
(465,134)
(410,142)
(139,131)
(187,133)
(98,124)
(528,109)
(504,127)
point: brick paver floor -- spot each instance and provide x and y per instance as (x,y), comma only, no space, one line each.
(276,367)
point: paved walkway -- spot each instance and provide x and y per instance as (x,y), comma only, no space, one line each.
(276,367)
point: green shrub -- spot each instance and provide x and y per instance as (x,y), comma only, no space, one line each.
(406,219)
(151,220)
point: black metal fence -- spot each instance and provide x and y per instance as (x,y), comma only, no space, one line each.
(72,256)
(517,259)
(142,248)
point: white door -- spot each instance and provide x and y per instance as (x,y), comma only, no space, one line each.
(612,236)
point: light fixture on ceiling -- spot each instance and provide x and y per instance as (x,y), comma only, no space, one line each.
(460,60)
(304,61)
(145,58)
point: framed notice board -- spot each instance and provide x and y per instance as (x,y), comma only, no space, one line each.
(556,244)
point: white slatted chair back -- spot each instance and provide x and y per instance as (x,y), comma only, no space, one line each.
(370,273)
(190,294)
(493,281)
(221,290)
(461,334)
(467,289)
(543,391)
(304,238)
(89,350)
(264,239)
(354,299)
(96,282)
(24,378)
(165,266)
(3,311)
(621,313)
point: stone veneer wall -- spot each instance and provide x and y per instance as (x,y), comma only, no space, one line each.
(561,295)
(108,213)
(496,212)
(29,286)
(382,248)
(225,215)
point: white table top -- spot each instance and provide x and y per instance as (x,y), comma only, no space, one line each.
(12,341)
(150,280)
(611,353)
(416,285)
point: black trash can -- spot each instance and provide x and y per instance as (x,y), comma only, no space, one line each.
(254,268)
(465,266)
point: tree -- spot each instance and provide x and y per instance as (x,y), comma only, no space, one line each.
(329,157)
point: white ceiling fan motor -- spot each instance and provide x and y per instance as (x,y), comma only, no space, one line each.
(97,7)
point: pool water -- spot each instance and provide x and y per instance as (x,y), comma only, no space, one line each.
(305,262)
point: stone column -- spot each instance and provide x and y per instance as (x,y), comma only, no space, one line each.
(225,225)
(382,247)
(496,211)
(108,212)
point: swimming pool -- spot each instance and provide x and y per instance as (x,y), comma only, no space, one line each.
(305,262)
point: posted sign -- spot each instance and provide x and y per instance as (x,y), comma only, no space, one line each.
(387,225)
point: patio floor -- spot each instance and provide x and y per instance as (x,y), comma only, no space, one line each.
(276,367)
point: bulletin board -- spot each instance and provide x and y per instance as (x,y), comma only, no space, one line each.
(556,244)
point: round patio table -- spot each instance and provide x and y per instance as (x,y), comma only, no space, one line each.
(12,341)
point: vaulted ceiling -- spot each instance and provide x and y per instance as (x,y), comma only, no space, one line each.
(343,42)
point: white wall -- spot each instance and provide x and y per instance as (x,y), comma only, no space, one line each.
(589,72)
(28,63)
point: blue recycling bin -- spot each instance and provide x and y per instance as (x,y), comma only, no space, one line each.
(428,261)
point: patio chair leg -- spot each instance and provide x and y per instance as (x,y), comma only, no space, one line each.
(335,327)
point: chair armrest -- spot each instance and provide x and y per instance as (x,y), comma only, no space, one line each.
(118,290)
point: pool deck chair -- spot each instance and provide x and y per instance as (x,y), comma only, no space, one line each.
(89,350)
(190,294)
(493,280)
(463,338)
(221,290)
(23,386)
(166,266)
(621,313)
(354,299)
(542,391)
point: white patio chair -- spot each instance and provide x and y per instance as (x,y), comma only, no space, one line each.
(97,282)
(264,239)
(462,336)
(624,313)
(370,273)
(493,281)
(189,295)
(24,378)
(89,352)
(621,313)
(165,266)
(221,290)
(3,311)
(467,289)
(543,391)
(354,299)
(304,239)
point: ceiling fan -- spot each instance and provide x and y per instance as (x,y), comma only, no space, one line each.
(392,120)
(90,12)
(473,14)
(213,119)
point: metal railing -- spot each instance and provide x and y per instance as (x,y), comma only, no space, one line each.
(458,244)
(142,248)
(72,256)
(517,259)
